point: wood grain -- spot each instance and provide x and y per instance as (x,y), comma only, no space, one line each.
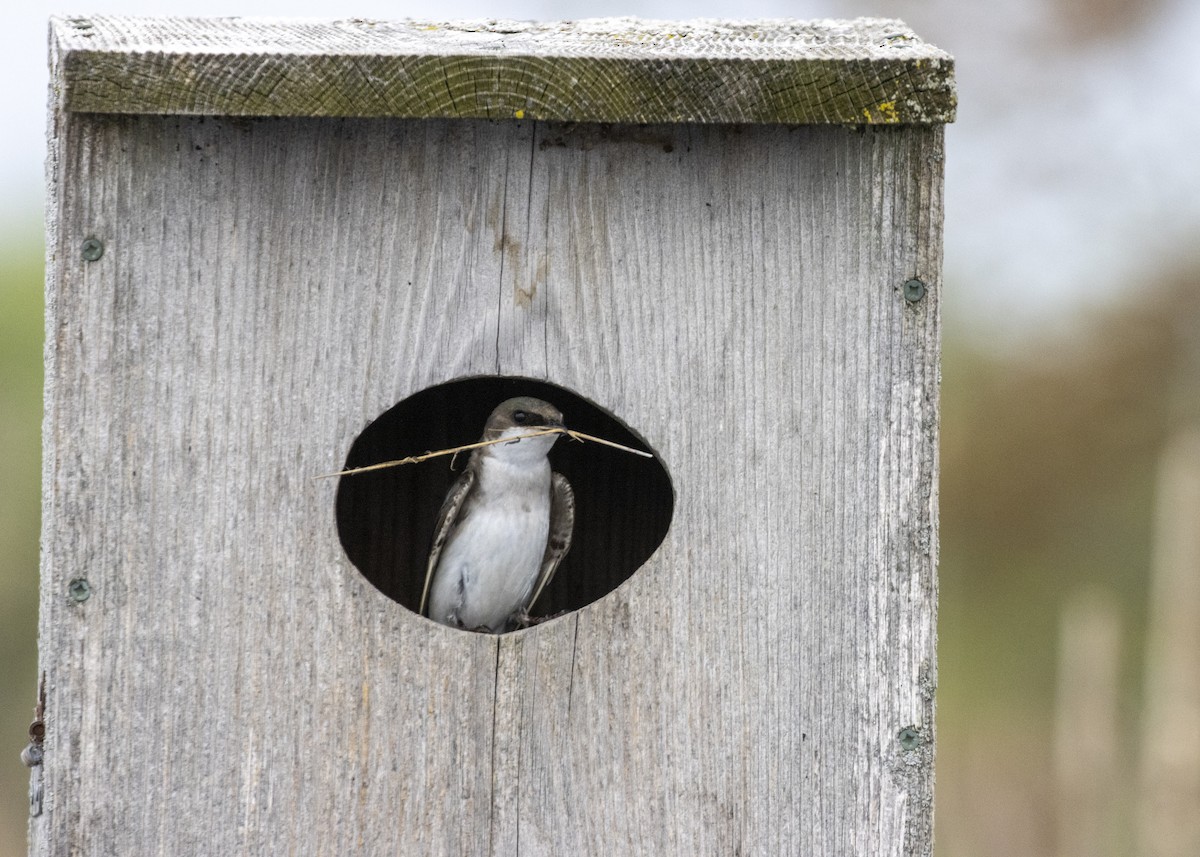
(269,286)
(868,71)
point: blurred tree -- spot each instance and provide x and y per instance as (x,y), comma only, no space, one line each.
(1084,21)
(1049,454)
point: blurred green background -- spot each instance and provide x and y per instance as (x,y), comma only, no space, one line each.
(1071,362)
(20,514)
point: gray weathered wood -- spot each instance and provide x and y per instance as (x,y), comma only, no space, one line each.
(268,286)
(608,70)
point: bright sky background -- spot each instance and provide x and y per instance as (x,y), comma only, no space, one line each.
(1073,172)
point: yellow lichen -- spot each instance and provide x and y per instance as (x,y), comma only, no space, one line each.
(885,114)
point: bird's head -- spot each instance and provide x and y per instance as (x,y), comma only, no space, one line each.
(523,415)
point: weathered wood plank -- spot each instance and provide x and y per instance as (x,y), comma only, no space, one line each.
(233,685)
(868,71)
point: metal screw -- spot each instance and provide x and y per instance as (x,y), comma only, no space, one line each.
(914,290)
(909,737)
(93,249)
(31,756)
(80,590)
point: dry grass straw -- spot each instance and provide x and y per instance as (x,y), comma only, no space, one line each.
(417,459)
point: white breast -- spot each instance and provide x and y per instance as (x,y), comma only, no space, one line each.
(490,564)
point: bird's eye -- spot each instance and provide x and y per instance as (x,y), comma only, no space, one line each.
(528,418)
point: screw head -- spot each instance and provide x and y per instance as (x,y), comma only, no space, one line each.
(909,737)
(80,590)
(914,290)
(92,249)
(31,756)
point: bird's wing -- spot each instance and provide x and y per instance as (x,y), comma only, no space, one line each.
(562,523)
(447,518)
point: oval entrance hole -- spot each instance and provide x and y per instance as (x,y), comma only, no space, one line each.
(385,518)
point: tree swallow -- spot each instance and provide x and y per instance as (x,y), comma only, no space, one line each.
(504,526)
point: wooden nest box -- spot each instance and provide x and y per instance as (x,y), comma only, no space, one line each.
(278,249)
